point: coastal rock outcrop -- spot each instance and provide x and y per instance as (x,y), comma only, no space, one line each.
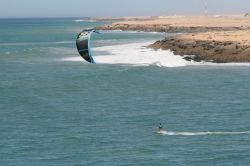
(212,51)
(218,39)
(166,28)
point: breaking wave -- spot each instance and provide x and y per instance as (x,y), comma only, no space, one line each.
(134,54)
(138,54)
(84,20)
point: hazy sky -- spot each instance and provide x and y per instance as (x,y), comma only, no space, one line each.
(102,8)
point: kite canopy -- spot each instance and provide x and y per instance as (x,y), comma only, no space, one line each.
(83,45)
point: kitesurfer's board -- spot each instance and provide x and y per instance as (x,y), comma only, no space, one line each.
(161,132)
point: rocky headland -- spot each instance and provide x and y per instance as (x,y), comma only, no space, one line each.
(206,50)
(219,39)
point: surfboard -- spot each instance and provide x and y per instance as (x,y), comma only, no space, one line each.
(161,132)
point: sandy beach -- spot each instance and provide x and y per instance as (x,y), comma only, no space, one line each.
(192,21)
(209,38)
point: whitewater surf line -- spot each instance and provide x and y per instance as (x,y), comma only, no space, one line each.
(170,133)
(138,54)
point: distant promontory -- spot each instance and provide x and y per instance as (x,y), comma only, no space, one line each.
(201,38)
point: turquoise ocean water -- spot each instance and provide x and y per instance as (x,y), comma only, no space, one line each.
(56,109)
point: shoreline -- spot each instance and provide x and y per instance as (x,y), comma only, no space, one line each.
(206,47)
(221,39)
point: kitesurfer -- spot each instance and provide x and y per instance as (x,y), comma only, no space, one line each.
(160,127)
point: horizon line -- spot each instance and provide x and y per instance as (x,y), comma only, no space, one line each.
(102,17)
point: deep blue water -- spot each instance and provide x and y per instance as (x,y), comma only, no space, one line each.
(56,112)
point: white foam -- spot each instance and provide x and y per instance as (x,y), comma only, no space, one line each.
(84,20)
(73,59)
(170,133)
(134,54)
(138,54)
(162,132)
(80,20)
